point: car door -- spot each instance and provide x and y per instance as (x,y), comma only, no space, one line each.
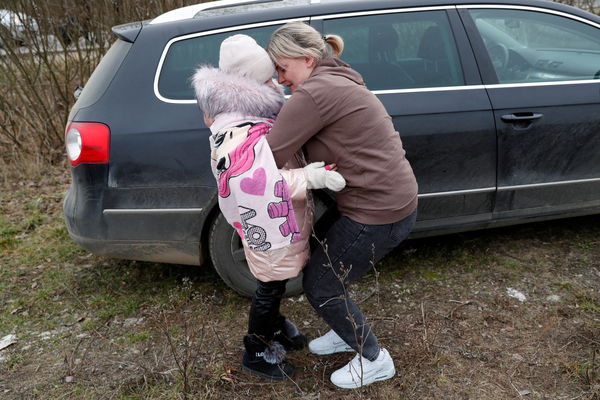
(418,62)
(541,70)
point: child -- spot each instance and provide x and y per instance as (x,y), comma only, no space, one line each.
(271,209)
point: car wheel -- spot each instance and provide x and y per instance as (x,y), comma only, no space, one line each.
(227,256)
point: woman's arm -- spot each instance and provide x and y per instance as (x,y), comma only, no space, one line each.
(297,122)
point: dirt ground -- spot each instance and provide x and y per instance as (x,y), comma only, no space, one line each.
(511,313)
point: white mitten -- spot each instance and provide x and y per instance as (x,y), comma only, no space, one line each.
(318,177)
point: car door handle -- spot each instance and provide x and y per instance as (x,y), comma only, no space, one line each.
(521,117)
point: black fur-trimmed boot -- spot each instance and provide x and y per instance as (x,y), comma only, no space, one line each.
(266,360)
(288,335)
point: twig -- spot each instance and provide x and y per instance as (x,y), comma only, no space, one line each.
(246,383)
(331,299)
(461,304)
(389,319)
(218,338)
(376,276)
(293,381)
(368,296)
(84,306)
(516,390)
(566,345)
(424,327)
(514,257)
(342,278)
(588,339)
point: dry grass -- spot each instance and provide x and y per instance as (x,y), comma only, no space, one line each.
(95,328)
(39,73)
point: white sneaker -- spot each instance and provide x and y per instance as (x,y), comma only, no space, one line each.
(353,375)
(329,343)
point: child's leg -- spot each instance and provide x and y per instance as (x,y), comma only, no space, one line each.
(263,356)
(266,320)
(265,308)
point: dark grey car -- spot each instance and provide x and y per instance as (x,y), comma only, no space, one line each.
(497,102)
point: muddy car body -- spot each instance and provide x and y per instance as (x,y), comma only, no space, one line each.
(497,103)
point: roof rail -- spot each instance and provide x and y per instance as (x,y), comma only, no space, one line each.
(238,4)
(190,11)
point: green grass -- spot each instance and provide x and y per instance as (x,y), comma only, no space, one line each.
(587,372)
(432,275)
(137,337)
(14,360)
(511,264)
(49,284)
(587,303)
(568,286)
(8,233)
(582,299)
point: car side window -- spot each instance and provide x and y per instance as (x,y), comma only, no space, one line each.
(529,46)
(401,50)
(185,56)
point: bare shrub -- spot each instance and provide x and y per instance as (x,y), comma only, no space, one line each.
(61,44)
(57,50)
(184,324)
(588,5)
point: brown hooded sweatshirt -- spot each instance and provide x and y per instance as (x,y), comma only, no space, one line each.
(338,120)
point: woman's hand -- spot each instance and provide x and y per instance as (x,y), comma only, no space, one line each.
(320,176)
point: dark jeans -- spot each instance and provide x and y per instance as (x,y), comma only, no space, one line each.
(351,249)
(265,318)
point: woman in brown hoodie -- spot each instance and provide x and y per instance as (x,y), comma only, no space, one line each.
(334,117)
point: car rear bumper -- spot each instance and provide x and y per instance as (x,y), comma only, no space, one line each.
(96,221)
(163,252)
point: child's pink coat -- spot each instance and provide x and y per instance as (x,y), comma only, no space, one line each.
(271,209)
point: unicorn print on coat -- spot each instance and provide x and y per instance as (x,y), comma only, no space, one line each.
(252,191)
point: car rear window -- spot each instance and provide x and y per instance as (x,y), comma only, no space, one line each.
(102,75)
(185,56)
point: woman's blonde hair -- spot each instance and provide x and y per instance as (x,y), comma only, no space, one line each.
(297,39)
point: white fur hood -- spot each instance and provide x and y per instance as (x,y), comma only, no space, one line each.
(219,92)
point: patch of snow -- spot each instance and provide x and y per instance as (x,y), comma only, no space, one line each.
(132,321)
(7,341)
(516,294)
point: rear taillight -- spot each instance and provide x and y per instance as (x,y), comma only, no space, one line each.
(87,142)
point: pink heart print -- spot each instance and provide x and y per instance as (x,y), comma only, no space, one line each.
(255,185)
(239,228)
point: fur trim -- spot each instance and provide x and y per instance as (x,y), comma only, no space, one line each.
(274,353)
(291,330)
(220,92)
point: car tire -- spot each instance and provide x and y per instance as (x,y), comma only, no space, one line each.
(228,259)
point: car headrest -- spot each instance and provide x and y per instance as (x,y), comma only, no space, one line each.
(383,41)
(431,45)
